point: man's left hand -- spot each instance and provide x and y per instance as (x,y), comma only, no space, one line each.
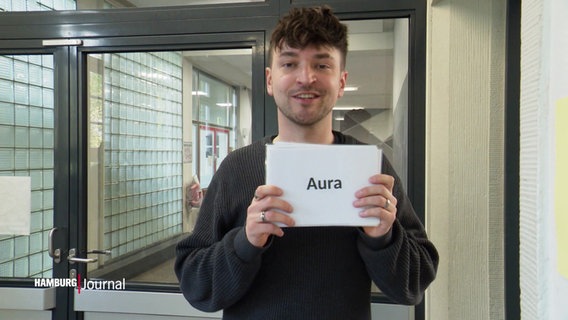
(378,201)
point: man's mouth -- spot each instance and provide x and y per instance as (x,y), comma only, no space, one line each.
(306,95)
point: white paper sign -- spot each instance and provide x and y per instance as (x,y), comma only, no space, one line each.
(320,181)
(15,205)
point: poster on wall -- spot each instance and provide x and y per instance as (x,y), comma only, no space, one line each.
(15,211)
(187,152)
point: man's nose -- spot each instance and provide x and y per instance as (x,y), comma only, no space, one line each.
(306,75)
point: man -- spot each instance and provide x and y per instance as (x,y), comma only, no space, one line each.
(238,260)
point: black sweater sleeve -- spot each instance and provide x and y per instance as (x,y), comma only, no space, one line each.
(404,262)
(216,264)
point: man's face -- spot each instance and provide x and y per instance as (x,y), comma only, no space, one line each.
(305,83)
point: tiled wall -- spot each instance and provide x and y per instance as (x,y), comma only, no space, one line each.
(142,149)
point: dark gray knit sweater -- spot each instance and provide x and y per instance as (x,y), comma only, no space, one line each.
(310,273)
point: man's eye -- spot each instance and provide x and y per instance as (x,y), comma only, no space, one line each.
(288,65)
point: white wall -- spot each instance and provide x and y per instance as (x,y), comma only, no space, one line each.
(464,157)
(558,89)
(544,70)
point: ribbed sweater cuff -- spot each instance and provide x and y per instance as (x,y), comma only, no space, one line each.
(244,249)
(376,243)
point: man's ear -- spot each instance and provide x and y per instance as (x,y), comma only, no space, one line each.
(342,83)
(268,74)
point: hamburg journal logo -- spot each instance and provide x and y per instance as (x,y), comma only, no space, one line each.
(80,284)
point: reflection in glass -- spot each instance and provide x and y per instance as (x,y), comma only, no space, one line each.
(135,115)
(34,5)
(151,137)
(26,149)
(215,104)
(374,108)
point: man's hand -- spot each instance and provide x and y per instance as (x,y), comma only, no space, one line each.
(265,210)
(379,202)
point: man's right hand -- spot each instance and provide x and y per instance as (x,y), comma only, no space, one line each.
(267,209)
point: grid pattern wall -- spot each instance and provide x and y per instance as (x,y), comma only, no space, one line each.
(26,149)
(142,149)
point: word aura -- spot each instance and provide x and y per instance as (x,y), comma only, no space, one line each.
(324,184)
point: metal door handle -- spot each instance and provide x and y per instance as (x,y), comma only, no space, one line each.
(72,256)
(54,253)
(99,251)
(73,259)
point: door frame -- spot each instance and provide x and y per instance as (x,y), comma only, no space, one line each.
(61,204)
(252,40)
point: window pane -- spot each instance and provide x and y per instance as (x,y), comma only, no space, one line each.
(135,123)
(26,149)
(144,154)
(216,103)
(102,4)
(374,108)
(37,5)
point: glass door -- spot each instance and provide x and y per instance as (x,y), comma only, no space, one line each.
(135,174)
(27,176)
(375,106)
(34,182)
(27,164)
(150,132)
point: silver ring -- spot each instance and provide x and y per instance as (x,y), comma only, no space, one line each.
(387,205)
(256,197)
(263,216)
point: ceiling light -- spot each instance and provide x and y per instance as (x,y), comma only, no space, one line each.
(348,108)
(224,104)
(346,89)
(198,93)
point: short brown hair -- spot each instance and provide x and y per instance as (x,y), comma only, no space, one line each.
(303,27)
